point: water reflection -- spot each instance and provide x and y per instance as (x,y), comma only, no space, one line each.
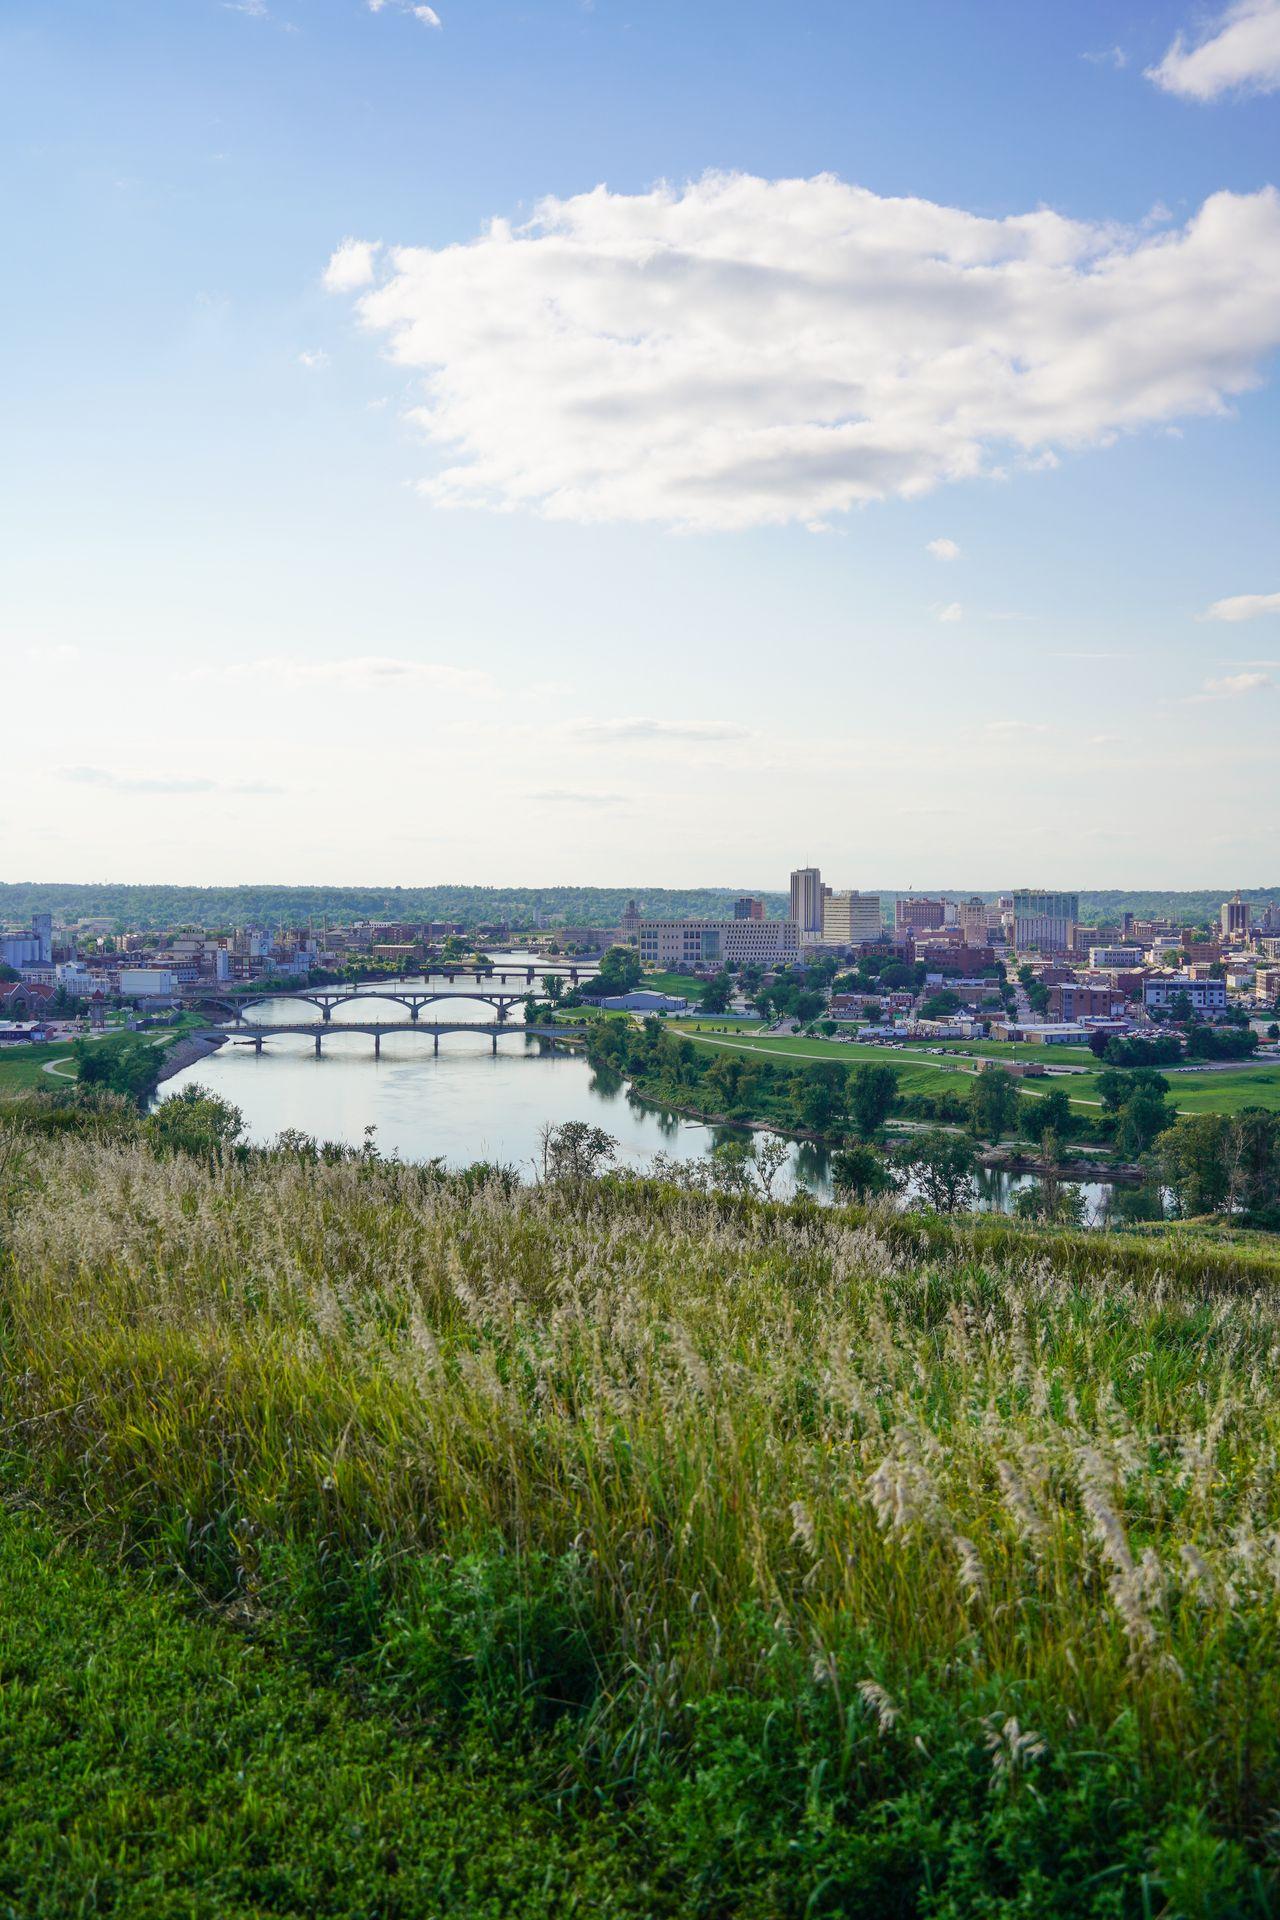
(468,1103)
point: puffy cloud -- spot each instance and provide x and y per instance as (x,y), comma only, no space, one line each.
(1243,606)
(614,731)
(953,612)
(1241,50)
(1235,686)
(427,15)
(744,351)
(351,266)
(313,358)
(943,549)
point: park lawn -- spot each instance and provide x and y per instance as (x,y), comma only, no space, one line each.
(674,983)
(22,1068)
(1225,1090)
(156,1764)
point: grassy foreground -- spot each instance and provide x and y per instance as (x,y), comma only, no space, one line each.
(854,1565)
(155,1765)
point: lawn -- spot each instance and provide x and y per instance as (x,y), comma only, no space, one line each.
(25,1067)
(1223,1090)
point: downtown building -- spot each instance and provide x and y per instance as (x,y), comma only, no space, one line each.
(1043,920)
(687,945)
(852,919)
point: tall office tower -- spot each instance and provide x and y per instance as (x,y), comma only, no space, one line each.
(748,908)
(1044,920)
(852,920)
(806,900)
(1235,918)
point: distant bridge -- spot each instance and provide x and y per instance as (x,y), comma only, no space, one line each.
(252,1035)
(327,998)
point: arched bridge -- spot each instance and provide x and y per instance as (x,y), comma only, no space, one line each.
(250,1035)
(327,998)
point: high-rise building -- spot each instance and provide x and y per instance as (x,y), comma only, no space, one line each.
(748,908)
(1234,919)
(806,900)
(851,919)
(1044,920)
(918,914)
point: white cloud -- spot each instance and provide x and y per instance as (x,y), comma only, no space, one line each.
(361,671)
(351,265)
(1107,57)
(1243,606)
(159,782)
(1234,686)
(952,612)
(1011,727)
(743,352)
(640,729)
(313,358)
(1241,50)
(427,15)
(943,549)
(53,654)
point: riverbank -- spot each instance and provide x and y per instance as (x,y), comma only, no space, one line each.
(189,1051)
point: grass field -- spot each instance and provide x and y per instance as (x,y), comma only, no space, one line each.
(1220,1090)
(846,1563)
(27,1067)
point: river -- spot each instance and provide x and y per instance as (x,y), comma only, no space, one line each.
(468,1103)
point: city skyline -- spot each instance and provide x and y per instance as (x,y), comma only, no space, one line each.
(570,440)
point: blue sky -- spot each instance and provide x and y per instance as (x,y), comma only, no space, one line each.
(603,552)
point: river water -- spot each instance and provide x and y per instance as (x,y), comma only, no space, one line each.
(468,1103)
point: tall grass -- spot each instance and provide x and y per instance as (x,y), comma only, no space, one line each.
(861,1501)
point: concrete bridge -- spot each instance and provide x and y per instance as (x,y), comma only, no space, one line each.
(327,998)
(250,1035)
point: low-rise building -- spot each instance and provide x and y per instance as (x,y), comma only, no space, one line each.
(1072,1001)
(1105,957)
(851,919)
(1205,996)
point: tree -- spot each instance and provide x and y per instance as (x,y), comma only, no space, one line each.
(1273,1031)
(993,1104)
(942,1168)
(873,1096)
(1051,1113)
(575,1151)
(1191,1161)
(197,1122)
(808,1005)
(771,1155)
(716,993)
(821,1098)
(859,1173)
(619,972)
(553,986)
(1144,1116)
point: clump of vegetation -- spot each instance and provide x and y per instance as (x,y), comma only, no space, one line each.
(875,1564)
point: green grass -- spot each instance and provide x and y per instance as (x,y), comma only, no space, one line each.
(24,1067)
(1224,1090)
(152,1764)
(852,1563)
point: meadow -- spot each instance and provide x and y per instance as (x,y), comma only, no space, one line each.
(836,1562)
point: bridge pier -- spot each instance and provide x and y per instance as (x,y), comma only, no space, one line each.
(257,1046)
(493,1041)
(377,1046)
(318,1041)
(436,1038)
